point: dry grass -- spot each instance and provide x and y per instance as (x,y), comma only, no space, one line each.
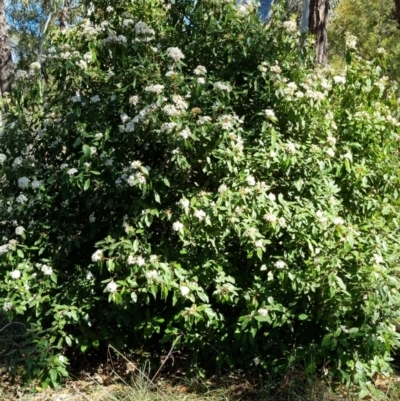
(295,387)
(132,383)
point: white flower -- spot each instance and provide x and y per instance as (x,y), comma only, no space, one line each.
(331,140)
(7,306)
(4,249)
(282,221)
(201,80)
(184,290)
(112,286)
(140,261)
(167,127)
(15,274)
(134,100)
(19,230)
(136,164)
(110,9)
(153,258)
(222,188)
(330,152)
(171,110)
(36,184)
(23,182)
(270,217)
(47,270)
(72,171)
(21,198)
(200,214)
(61,358)
(141,28)
(351,41)
(337,221)
(185,133)
(92,218)
(17,162)
(154,88)
(95,99)
(93,150)
(251,180)
(175,53)
(35,66)
(200,70)
(177,226)
(98,255)
(291,147)
(152,274)
(280,264)
(378,259)
(82,64)
(272,197)
(184,202)
(124,118)
(380,50)
(348,156)
(290,26)
(3,158)
(203,120)
(269,113)
(339,80)
(263,312)
(259,244)
(89,276)
(171,73)
(223,86)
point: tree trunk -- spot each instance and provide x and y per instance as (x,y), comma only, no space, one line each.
(317,24)
(397,12)
(6,63)
(64,15)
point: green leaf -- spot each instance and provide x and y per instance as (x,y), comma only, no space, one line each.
(86,185)
(53,375)
(86,150)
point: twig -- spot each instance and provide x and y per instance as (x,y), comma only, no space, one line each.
(9,324)
(166,359)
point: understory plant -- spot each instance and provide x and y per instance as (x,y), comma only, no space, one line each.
(185,175)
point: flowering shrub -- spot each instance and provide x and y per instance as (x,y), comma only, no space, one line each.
(186,176)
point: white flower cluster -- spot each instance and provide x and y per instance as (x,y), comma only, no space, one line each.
(154,89)
(223,86)
(114,39)
(200,70)
(177,226)
(4,249)
(98,255)
(290,26)
(200,214)
(175,53)
(227,121)
(17,162)
(112,286)
(15,274)
(21,198)
(185,133)
(127,22)
(203,120)
(141,28)
(23,182)
(134,100)
(47,270)
(168,127)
